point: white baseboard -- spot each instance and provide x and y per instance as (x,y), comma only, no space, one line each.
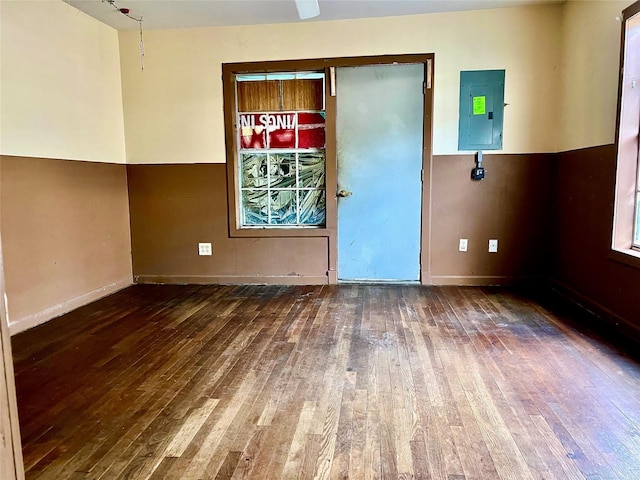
(38,318)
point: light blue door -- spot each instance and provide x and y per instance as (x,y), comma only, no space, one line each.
(380,115)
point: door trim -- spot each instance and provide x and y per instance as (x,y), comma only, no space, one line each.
(428,60)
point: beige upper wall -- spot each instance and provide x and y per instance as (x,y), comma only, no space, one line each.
(61,95)
(173,110)
(591,58)
(60,84)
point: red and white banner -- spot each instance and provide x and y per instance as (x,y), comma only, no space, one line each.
(291,130)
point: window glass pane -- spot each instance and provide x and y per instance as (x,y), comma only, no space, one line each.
(251,78)
(311,170)
(252,131)
(284,207)
(281,76)
(282,130)
(312,207)
(255,209)
(311,127)
(282,170)
(253,168)
(310,75)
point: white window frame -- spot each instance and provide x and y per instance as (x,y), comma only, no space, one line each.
(296,152)
(626,221)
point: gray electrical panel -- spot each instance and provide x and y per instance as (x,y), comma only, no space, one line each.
(481,110)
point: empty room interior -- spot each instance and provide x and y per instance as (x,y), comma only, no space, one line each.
(385,239)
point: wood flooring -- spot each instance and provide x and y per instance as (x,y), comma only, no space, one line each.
(319,382)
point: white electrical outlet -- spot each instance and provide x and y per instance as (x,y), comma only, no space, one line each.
(493,246)
(204,249)
(464,244)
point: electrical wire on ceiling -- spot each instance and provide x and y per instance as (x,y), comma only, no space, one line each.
(126,13)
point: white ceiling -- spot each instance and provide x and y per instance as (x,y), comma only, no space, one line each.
(159,14)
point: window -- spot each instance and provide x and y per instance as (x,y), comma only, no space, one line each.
(626,234)
(280,138)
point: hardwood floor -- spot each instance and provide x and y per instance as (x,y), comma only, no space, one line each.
(350,381)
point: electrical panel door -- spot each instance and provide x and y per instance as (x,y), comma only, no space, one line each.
(481,110)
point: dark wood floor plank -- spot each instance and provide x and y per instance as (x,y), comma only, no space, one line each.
(348,381)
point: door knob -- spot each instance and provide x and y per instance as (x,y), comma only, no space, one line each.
(344,193)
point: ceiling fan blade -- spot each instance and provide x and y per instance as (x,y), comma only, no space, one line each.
(307,8)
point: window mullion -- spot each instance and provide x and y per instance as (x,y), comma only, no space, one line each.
(297,184)
(268,186)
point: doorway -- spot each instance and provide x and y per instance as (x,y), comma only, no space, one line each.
(395,76)
(379,128)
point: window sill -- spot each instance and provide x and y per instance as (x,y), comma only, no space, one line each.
(627,256)
(279,232)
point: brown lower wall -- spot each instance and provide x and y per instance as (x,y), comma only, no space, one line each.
(512,204)
(584,264)
(174,207)
(65,235)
